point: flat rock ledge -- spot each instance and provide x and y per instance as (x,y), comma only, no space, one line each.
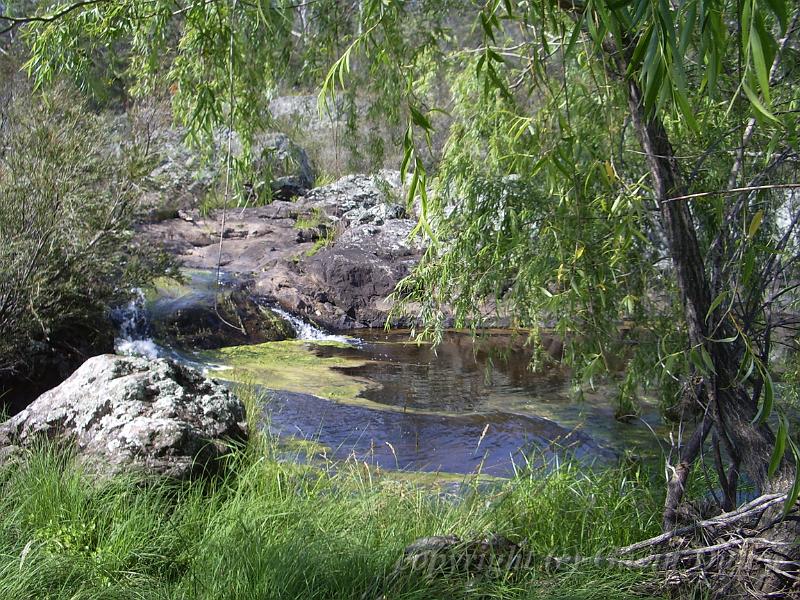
(130,414)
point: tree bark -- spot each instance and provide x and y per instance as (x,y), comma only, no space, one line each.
(729,406)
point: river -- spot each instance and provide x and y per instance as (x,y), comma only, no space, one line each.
(467,405)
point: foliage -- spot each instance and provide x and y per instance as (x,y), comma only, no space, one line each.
(276,529)
(222,61)
(65,210)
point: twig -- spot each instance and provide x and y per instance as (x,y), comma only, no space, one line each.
(751,188)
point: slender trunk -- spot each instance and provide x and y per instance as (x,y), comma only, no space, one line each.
(730,408)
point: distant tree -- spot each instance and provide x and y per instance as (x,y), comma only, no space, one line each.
(607,162)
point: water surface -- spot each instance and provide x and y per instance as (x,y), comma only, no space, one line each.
(463,406)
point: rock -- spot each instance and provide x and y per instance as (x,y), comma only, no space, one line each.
(237,320)
(362,268)
(332,256)
(181,176)
(134,414)
(359,199)
(283,165)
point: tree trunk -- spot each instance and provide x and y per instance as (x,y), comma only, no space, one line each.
(729,406)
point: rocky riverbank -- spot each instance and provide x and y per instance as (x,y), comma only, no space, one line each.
(333,255)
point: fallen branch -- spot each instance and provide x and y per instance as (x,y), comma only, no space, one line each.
(747,511)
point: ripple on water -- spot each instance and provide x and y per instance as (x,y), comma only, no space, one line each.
(491,444)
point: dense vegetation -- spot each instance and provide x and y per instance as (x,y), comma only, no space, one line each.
(66,210)
(607,167)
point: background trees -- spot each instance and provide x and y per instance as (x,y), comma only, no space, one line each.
(607,165)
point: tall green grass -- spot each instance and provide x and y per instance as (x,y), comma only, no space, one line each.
(279,529)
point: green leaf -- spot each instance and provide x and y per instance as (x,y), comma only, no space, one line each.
(746,23)
(757,104)
(749,266)
(419,119)
(408,153)
(780,446)
(760,64)
(573,38)
(727,340)
(486,24)
(769,398)
(686,110)
(697,361)
(689,20)
(779,8)
(641,48)
(755,224)
(751,363)
(619,4)
(707,361)
(717,301)
(794,492)
(494,56)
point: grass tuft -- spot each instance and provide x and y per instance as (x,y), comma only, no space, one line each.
(275,529)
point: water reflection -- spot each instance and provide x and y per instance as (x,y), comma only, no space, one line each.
(491,374)
(462,406)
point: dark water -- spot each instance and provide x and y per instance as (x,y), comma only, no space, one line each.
(462,407)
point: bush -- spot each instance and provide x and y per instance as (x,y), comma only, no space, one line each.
(66,204)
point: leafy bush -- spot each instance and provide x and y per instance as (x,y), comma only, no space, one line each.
(66,203)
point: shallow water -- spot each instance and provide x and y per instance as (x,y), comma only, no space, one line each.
(465,406)
(492,444)
(462,406)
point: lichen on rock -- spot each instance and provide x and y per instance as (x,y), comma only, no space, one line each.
(134,414)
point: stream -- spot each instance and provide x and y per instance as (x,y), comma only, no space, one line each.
(465,406)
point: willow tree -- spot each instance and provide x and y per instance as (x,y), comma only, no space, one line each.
(609,165)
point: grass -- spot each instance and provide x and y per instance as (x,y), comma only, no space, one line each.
(311,220)
(331,234)
(280,529)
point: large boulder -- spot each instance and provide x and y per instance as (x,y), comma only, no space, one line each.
(182,176)
(360,199)
(134,414)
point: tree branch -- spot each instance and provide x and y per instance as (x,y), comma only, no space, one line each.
(17,21)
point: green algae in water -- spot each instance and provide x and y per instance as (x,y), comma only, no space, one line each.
(292,366)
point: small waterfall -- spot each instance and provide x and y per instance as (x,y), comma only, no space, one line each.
(307,331)
(133,338)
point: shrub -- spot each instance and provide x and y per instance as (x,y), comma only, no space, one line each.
(66,203)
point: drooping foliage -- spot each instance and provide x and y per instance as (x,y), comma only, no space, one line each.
(545,198)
